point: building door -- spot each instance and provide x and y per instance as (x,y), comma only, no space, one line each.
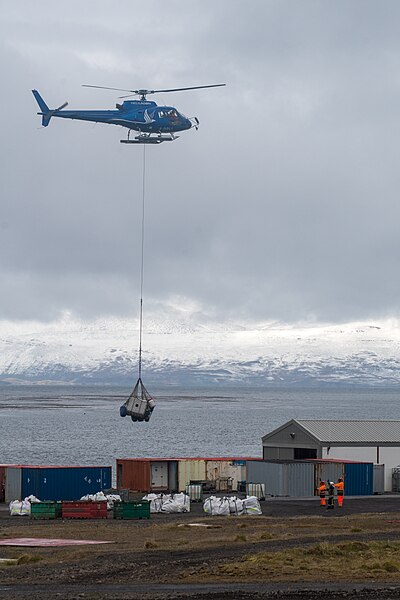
(304,453)
(159,475)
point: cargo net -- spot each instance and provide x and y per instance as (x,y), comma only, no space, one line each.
(139,405)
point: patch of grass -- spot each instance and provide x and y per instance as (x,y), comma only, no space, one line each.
(241,538)
(346,561)
(266,536)
(355,530)
(241,525)
(24,559)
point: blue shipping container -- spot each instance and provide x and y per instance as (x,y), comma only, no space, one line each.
(64,483)
(358,479)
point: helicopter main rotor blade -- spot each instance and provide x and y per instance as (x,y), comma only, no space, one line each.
(102,87)
(146,92)
(196,87)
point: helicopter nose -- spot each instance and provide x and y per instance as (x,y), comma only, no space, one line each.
(188,123)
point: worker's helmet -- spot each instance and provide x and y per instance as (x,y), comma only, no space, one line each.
(340,479)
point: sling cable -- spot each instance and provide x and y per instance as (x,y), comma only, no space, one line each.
(140,404)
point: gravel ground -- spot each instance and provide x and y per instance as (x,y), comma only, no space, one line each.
(152,559)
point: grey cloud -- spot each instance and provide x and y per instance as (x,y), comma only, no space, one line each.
(283,206)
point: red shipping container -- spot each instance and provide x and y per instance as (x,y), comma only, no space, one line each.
(84,510)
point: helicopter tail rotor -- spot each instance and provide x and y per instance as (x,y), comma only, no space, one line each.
(45,110)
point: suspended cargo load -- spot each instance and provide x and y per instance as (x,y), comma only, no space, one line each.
(139,405)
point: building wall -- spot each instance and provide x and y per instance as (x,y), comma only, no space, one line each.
(390,457)
(277,453)
(292,436)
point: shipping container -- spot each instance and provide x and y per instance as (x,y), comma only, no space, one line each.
(219,470)
(13,477)
(191,470)
(54,482)
(282,478)
(358,476)
(301,478)
(133,474)
(327,471)
(379,479)
(396,479)
(173,474)
(147,474)
(358,479)
(2,482)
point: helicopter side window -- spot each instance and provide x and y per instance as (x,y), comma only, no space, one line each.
(161,113)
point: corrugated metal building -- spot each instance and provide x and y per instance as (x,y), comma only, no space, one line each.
(54,482)
(173,474)
(355,440)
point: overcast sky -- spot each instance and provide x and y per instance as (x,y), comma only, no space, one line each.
(284,205)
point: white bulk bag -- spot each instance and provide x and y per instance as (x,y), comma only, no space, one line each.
(155,502)
(251,506)
(18,508)
(216,506)
(235,505)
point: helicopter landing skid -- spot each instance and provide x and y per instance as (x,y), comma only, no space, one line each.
(142,139)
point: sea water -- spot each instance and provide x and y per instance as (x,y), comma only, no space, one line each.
(69,425)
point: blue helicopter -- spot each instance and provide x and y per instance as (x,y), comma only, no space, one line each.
(154,124)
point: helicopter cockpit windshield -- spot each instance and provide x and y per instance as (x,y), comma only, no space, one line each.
(169,113)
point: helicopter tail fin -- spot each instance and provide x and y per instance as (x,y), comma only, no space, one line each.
(43,108)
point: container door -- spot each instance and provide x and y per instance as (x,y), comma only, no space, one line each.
(12,484)
(300,479)
(2,483)
(328,471)
(173,475)
(358,479)
(379,479)
(30,482)
(159,475)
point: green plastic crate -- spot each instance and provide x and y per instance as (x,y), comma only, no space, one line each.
(132,510)
(46,510)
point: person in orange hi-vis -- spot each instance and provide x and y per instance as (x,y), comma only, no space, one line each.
(322,493)
(340,491)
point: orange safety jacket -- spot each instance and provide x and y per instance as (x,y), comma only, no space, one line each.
(322,490)
(340,488)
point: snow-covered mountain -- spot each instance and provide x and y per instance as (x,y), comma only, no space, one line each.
(180,351)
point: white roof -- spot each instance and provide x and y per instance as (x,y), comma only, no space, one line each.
(354,432)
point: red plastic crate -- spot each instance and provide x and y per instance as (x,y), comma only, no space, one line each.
(84,510)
